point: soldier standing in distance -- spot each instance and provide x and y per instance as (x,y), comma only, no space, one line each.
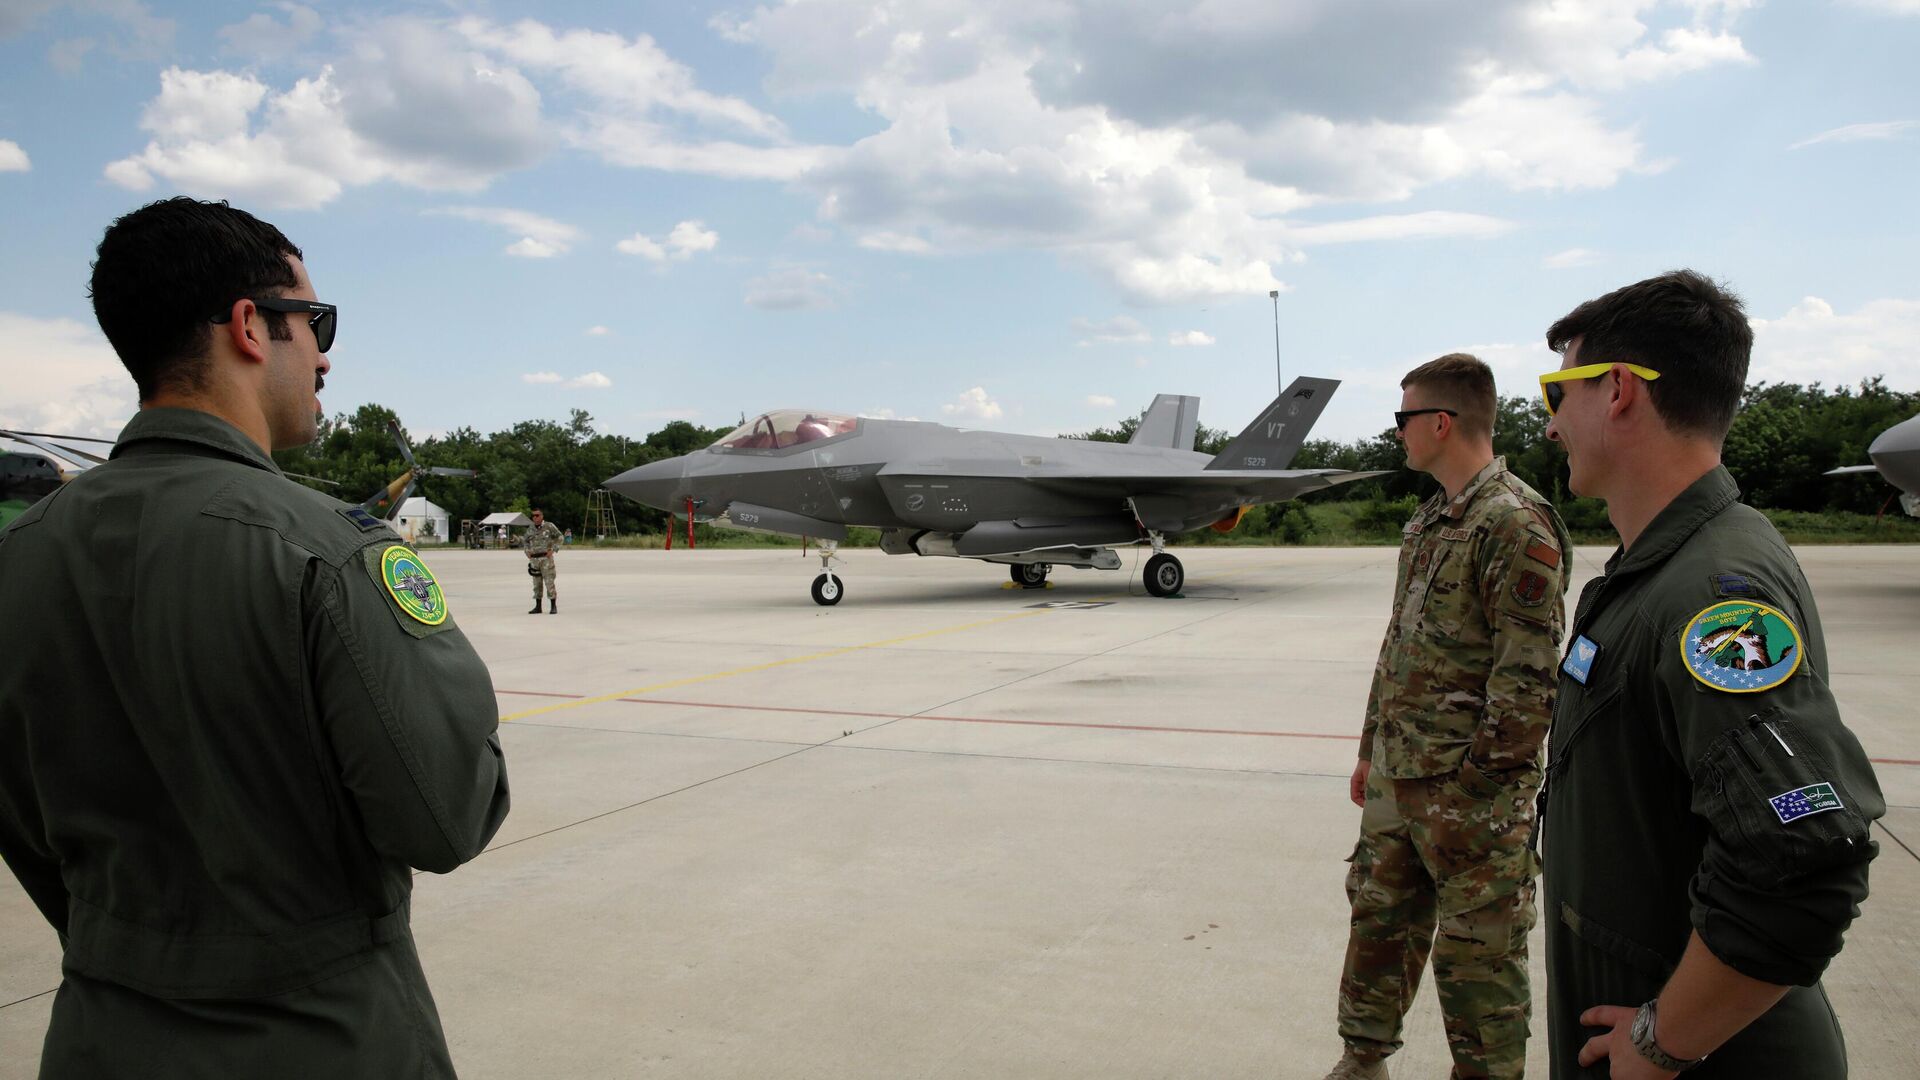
(1450,750)
(1706,823)
(248,713)
(542,541)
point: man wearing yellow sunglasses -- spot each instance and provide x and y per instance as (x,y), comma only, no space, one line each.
(1705,812)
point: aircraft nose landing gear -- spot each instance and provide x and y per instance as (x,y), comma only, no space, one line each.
(827,589)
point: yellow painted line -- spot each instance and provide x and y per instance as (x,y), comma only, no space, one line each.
(692,679)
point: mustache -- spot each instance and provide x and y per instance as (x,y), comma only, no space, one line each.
(319,382)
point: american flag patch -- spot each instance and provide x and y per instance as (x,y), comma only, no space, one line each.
(1542,552)
(1804,802)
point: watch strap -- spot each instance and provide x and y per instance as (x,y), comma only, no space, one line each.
(1646,1040)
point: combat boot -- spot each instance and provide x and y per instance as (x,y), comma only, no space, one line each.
(535,610)
(553,605)
(1354,1067)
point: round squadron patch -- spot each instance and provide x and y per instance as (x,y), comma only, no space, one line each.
(1741,647)
(412,586)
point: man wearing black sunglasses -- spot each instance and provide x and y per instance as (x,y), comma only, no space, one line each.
(246,714)
(1450,747)
(1706,815)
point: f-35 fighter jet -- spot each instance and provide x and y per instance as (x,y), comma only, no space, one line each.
(1896,457)
(1029,502)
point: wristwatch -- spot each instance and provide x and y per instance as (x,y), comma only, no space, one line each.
(1644,1041)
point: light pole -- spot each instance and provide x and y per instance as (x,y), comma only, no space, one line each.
(1274,295)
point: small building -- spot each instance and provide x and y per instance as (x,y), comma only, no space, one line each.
(421,521)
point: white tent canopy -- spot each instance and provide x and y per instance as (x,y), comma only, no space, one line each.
(506,517)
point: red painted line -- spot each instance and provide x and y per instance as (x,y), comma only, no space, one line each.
(1002,720)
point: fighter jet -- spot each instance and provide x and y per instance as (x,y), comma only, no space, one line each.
(1896,457)
(1029,502)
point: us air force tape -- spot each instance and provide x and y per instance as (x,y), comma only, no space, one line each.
(1741,647)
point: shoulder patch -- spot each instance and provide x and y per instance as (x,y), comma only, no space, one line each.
(1741,647)
(1543,551)
(1531,589)
(365,521)
(404,577)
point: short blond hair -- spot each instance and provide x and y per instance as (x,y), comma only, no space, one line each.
(1461,382)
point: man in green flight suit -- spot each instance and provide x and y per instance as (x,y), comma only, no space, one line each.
(245,712)
(1450,749)
(1706,816)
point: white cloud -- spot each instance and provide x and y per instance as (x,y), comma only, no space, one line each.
(896,242)
(793,289)
(686,240)
(598,331)
(1191,337)
(1101,401)
(592,380)
(540,237)
(261,35)
(1091,131)
(973,405)
(12,158)
(643,103)
(130,29)
(69,55)
(1570,258)
(61,376)
(1892,129)
(405,103)
(1119,330)
(1813,342)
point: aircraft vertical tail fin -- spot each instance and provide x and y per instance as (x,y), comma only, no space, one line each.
(1171,421)
(1274,437)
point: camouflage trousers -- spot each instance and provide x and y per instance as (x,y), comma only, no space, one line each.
(1439,870)
(545,565)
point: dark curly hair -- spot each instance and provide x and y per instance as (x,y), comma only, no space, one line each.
(163,272)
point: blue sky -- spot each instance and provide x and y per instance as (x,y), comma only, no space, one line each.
(1030,216)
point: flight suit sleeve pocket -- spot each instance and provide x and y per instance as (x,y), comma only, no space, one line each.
(1776,803)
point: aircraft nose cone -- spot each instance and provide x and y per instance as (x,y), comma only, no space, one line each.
(656,484)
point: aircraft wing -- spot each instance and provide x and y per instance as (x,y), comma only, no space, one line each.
(1259,485)
(1849,470)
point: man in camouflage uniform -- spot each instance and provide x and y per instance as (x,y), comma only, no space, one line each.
(542,541)
(1449,754)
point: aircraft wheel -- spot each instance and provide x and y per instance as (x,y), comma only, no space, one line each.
(1165,575)
(827,590)
(1029,575)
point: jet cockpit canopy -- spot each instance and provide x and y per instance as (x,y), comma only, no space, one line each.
(786,427)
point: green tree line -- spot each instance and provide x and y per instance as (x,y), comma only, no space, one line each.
(1784,438)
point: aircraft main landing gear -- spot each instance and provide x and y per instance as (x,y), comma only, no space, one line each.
(1029,575)
(827,589)
(1164,574)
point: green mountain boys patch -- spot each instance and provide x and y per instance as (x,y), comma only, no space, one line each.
(409,583)
(1741,647)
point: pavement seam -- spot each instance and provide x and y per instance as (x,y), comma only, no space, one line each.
(29,997)
(1896,839)
(692,679)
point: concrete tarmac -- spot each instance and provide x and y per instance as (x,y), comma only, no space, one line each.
(949,829)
